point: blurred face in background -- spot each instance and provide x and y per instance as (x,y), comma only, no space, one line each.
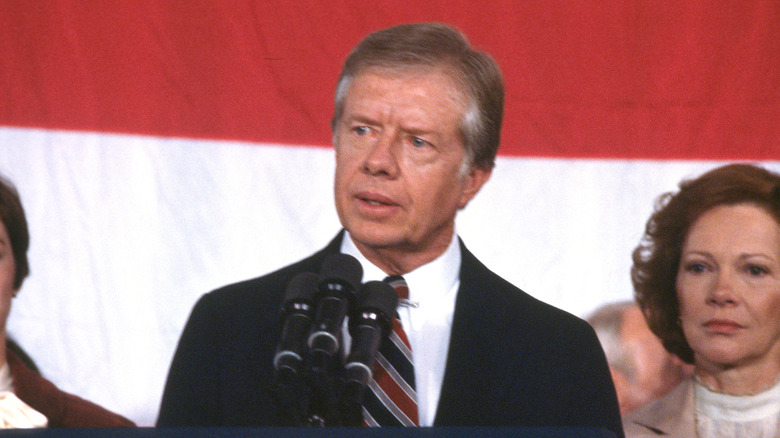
(655,371)
(728,287)
(7,273)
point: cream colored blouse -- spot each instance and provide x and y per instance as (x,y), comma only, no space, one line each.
(723,415)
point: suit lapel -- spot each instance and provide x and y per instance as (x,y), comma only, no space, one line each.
(467,344)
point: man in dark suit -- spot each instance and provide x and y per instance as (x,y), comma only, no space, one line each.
(416,129)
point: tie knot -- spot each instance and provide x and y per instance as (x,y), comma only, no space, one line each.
(399,284)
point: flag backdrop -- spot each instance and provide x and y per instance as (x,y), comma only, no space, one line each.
(165,148)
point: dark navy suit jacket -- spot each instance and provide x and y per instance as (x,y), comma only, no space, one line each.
(513,360)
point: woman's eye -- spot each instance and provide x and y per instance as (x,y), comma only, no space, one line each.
(696,268)
(756,270)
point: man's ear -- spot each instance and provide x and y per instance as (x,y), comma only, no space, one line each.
(475,179)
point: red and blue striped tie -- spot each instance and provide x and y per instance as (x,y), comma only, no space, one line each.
(392,400)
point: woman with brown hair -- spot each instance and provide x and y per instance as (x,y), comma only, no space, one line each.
(707,277)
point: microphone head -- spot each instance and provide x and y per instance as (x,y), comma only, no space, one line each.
(302,287)
(377,296)
(342,267)
(375,304)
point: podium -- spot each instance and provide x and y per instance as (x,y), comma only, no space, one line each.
(310,432)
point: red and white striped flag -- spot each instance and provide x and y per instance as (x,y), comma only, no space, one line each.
(163,149)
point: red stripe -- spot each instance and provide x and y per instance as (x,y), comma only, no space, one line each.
(398,395)
(401,399)
(602,79)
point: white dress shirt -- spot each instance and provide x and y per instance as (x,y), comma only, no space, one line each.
(427,321)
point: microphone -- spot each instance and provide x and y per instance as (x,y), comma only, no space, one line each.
(369,324)
(340,276)
(297,310)
(289,387)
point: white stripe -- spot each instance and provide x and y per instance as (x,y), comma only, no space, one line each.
(196,215)
(369,419)
(401,346)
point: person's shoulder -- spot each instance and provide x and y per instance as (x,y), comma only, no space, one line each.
(475,274)
(273,280)
(61,408)
(664,415)
(79,412)
(228,315)
(270,285)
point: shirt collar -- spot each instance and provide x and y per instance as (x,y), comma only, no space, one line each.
(429,283)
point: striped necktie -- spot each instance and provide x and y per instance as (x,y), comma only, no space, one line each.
(392,400)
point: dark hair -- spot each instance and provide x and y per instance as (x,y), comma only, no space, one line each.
(12,215)
(657,258)
(435,45)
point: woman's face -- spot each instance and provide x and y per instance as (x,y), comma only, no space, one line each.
(728,287)
(7,273)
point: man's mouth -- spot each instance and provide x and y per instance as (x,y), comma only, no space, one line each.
(375,200)
(372,202)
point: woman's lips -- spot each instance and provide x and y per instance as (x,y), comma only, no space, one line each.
(722,326)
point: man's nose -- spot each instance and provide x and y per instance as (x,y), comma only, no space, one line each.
(382,157)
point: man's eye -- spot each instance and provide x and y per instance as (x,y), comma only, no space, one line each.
(418,142)
(361,130)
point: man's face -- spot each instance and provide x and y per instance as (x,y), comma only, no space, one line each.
(399,162)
